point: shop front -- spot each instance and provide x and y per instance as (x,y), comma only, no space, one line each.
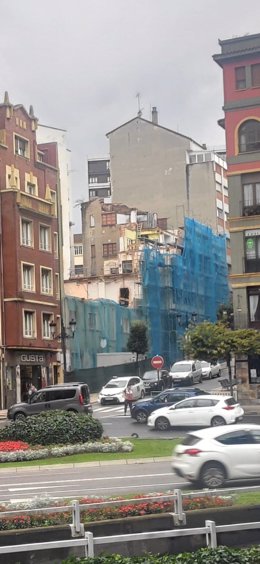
(26,368)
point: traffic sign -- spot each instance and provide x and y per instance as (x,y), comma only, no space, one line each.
(157,362)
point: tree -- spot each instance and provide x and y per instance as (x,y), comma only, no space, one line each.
(225,314)
(138,340)
(213,341)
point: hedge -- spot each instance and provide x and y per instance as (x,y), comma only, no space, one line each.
(54,428)
(221,555)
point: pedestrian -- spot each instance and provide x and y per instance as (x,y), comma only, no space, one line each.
(32,390)
(129,397)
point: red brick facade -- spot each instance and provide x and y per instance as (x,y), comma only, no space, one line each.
(29,267)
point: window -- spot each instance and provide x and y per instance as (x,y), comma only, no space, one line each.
(252,250)
(236,438)
(124,297)
(45,238)
(21,146)
(46,330)
(93,179)
(78,250)
(108,165)
(26,233)
(240,78)
(255,74)
(79,269)
(92,221)
(92,193)
(108,219)
(256,436)
(186,404)
(56,245)
(46,281)
(54,200)
(28,277)
(29,324)
(30,188)
(249,136)
(251,195)
(254,304)
(57,286)
(205,402)
(93,251)
(109,250)
(126,325)
(220,213)
(92,320)
(127,266)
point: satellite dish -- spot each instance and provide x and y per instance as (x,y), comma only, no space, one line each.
(103,343)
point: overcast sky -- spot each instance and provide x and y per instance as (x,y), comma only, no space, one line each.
(80,64)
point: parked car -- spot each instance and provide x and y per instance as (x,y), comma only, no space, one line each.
(113,391)
(210,370)
(143,408)
(186,372)
(213,456)
(154,384)
(69,397)
(199,411)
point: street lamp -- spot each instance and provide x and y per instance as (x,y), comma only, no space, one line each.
(63,335)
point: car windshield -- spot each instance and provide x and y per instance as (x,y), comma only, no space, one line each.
(152,375)
(205,364)
(116,384)
(184,367)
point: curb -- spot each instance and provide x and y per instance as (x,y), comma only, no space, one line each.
(129,461)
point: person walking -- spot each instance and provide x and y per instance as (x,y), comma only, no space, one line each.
(129,397)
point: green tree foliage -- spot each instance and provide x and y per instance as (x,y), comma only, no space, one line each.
(138,340)
(213,341)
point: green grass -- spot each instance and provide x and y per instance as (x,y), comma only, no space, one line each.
(247,498)
(143,448)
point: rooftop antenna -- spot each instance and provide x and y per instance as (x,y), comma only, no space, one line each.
(140,110)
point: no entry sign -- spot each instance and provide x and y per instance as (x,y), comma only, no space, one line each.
(157,362)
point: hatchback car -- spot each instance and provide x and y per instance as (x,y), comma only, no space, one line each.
(142,408)
(199,411)
(210,370)
(213,456)
(113,391)
(186,372)
(69,397)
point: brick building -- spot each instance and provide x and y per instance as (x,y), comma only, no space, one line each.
(29,255)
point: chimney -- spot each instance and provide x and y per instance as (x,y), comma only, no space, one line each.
(155,115)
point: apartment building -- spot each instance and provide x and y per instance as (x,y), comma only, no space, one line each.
(240,61)
(99,182)
(177,176)
(29,258)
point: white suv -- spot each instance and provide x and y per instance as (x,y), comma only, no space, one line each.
(113,391)
(186,372)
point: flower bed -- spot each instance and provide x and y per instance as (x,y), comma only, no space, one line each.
(112,445)
(129,509)
(10,446)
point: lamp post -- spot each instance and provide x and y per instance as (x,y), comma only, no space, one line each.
(63,335)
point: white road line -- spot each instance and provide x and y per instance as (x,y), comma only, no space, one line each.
(88,479)
(104,488)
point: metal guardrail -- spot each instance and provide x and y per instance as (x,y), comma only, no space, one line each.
(88,542)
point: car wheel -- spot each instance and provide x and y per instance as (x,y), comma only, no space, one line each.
(200,379)
(142,394)
(102,402)
(217,420)
(213,475)
(162,424)
(19,416)
(210,375)
(141,416)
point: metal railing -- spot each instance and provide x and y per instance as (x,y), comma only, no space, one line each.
(88,542)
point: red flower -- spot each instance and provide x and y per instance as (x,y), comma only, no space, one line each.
(9,446)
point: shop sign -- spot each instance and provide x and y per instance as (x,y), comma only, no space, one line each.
(29,358)
(252,233)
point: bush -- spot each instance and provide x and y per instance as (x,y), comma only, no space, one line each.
(221,555)
(54,427)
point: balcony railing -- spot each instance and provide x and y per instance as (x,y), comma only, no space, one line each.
(249,208)
(35,204)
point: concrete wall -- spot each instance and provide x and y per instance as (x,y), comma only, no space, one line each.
(202,193)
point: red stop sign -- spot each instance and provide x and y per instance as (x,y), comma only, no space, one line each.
(157,362)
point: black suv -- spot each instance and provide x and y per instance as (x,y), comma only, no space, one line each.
(141,409)
(69,397)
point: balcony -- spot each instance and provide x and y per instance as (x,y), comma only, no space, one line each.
(252,265)
(35,204)
(250,208)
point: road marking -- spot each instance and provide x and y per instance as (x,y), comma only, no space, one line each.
(108,409)
(154,485)
(133,476)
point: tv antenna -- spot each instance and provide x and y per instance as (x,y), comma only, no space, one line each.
(140,110)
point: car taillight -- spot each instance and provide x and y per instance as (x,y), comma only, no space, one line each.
(229,407)
(192,451)
(81,400)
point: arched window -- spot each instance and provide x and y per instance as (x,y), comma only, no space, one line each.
(249,136)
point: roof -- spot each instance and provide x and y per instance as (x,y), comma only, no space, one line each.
(215,431)
(237,48)
(154,125)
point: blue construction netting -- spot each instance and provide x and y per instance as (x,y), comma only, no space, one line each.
(182,288)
